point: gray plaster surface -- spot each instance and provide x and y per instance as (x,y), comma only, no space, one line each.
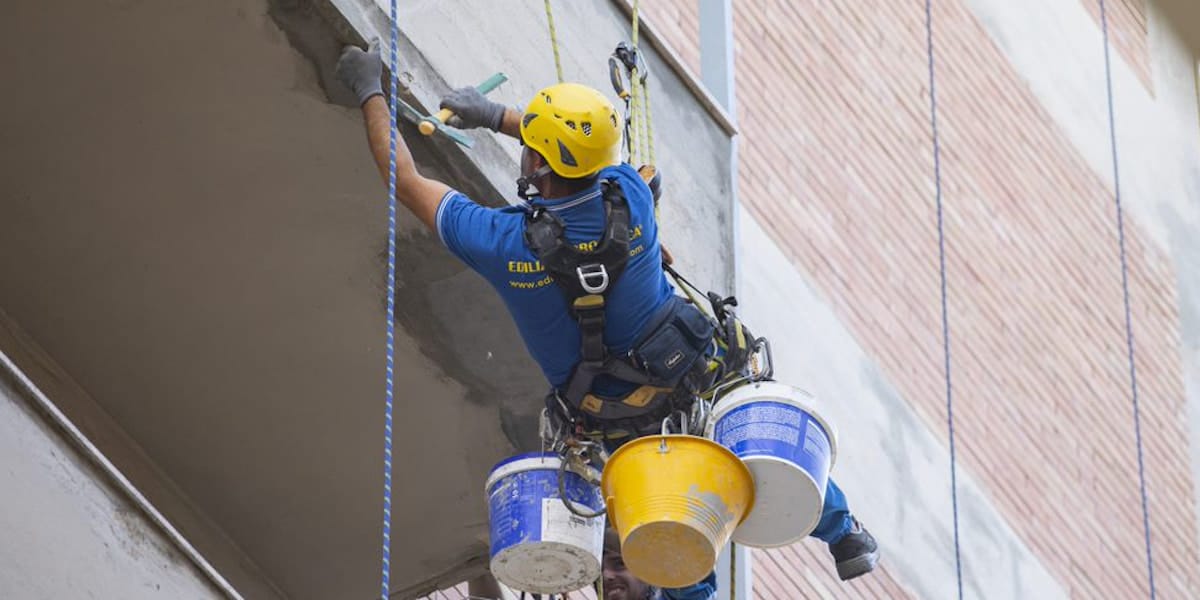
(194,231)
(67,533)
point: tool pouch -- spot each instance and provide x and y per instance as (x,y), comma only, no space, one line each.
(682,342)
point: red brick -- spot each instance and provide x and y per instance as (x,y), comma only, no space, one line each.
(837,165)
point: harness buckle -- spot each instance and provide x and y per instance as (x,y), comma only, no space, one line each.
(588,276)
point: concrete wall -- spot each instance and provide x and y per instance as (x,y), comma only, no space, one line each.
(192,234)
(67,532)
(839,253)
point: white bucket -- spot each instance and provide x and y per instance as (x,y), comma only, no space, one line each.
(537,544)
(789,449)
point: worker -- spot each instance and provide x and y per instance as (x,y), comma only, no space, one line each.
(578,265)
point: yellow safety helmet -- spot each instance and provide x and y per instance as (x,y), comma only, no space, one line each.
(574,127)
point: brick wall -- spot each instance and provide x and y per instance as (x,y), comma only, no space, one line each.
(837,165)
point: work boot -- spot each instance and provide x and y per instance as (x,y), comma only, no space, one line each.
(856,553)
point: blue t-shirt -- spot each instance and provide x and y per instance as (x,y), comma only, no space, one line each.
(491,241)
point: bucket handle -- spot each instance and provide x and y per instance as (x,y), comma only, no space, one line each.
(683,423)
(666,430)
(763,347)
(562,494)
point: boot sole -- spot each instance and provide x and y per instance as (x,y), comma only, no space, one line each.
(857,566)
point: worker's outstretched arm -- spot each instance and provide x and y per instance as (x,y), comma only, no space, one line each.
(361,72)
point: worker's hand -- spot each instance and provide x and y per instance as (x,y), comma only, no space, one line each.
(362,71)
(472,109)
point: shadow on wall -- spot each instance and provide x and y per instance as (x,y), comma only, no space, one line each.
(458,320)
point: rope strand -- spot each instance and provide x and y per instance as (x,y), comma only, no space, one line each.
(649,130)
(391,309)
(1133,385)
(937,180)
(554,41)
(642,93)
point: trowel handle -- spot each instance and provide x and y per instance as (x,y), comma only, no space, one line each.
(427,126)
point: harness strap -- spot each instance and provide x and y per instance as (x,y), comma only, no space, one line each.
(583,272)
(586,276)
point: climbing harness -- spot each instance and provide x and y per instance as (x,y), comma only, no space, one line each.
(937,178)
(389,383)
(668,364)
(1133,383)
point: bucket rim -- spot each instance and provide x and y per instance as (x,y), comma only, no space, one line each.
(518,463)
(734,400)
(654,439)
(646,439)
(815,521)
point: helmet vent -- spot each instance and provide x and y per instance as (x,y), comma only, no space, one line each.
(571,124)
(613,118)
(567,158)
(587,127)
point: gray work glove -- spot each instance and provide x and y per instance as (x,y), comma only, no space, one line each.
(361,71)
(472,109)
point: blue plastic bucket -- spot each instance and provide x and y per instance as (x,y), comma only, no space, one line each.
(537,544)
(789,449)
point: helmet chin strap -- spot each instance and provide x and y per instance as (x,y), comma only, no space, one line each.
(523,183)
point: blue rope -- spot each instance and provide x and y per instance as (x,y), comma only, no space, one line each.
(1137,419)
(937,179)
(391,311)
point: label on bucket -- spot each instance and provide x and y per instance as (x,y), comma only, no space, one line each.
(776,422)
(559,524)
(815,440)
(776,430)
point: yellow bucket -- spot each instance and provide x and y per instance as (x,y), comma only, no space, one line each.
(675,501)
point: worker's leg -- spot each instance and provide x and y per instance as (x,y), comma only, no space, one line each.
(853,548)
(835,521)
(705,590)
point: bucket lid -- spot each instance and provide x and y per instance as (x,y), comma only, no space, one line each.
(773,391)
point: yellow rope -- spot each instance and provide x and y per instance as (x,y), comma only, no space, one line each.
(635,148)
(635,85)
(649,130)
(554,41)
(635,23)
(642,145)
